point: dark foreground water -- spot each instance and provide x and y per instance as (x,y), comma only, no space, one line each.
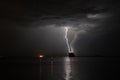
(78,68)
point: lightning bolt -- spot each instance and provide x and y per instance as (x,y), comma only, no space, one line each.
(70,49)
(66,38)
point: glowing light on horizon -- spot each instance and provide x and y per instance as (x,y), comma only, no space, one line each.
(41,56)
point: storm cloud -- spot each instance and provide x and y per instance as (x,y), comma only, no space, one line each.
(26,25)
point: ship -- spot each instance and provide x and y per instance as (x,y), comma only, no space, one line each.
(71,54)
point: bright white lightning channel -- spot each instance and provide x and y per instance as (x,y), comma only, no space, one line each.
(70,49)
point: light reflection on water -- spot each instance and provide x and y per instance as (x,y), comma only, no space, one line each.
(67,68)
(81,68)
(66,71)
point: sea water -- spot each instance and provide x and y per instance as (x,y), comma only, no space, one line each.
(60,68)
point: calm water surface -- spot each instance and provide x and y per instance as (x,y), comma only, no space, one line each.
(78,68)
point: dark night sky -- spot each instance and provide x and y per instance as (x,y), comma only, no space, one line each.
(32,26)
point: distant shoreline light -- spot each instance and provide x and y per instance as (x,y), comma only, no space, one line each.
(41,56)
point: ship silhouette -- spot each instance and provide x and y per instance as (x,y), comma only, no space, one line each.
(71,54)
